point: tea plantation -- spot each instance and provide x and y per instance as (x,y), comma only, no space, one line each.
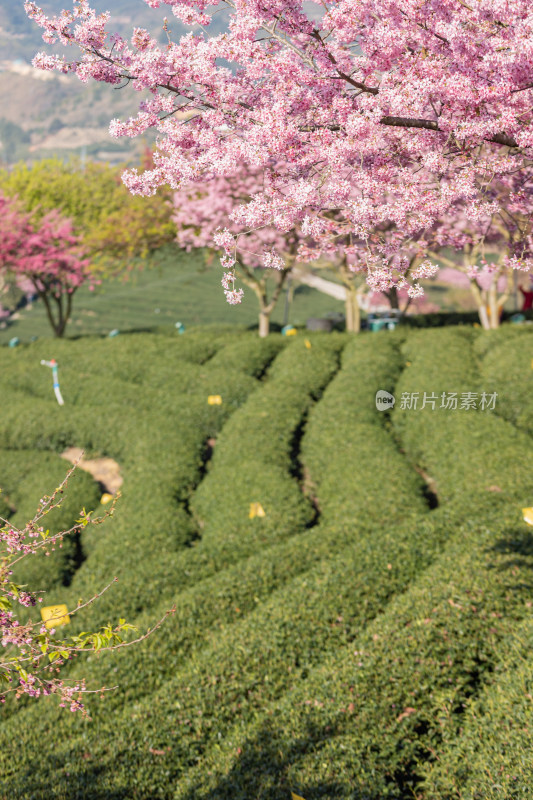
(369,637)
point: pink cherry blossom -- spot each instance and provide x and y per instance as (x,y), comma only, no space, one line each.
(384,112)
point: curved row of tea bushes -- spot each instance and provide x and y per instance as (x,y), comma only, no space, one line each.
(476,458)
(254,454)
(346,427)
(507,369)
(490,757)
(249,354)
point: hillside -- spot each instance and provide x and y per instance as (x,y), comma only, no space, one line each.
(44,114)
(21,38)
(367,637)
(174,286)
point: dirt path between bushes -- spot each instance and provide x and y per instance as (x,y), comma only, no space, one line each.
(104,470)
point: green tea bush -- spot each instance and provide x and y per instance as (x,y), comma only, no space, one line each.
(474,457)
(346,427)
(506,368)
(250,354)
(489,758)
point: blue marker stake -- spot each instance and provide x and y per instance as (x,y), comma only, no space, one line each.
(57,391)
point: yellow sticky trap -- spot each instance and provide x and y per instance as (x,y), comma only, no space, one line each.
(528,515)
(106,498)
(214,400)
(256,510)
(296,796)
(55,616)
(308,345)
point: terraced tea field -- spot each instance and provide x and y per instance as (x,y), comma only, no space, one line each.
(368,637)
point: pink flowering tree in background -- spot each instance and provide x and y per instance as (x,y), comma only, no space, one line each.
(33,654)
(384,262)
(44,253)
(406,101)
(202,209)
(483,251)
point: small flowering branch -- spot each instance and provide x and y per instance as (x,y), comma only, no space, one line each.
(33,654)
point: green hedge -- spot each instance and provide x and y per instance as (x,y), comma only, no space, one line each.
(475,458)
(490,757)
(506,368)
(251,354)
(346,426)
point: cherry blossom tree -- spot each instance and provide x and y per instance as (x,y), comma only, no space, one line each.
(47,254)
(202,208)
(488,247)
(406,101)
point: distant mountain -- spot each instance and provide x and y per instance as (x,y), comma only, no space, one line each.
(45,114)
(22,38)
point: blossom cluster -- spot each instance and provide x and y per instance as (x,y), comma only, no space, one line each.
(204,210)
